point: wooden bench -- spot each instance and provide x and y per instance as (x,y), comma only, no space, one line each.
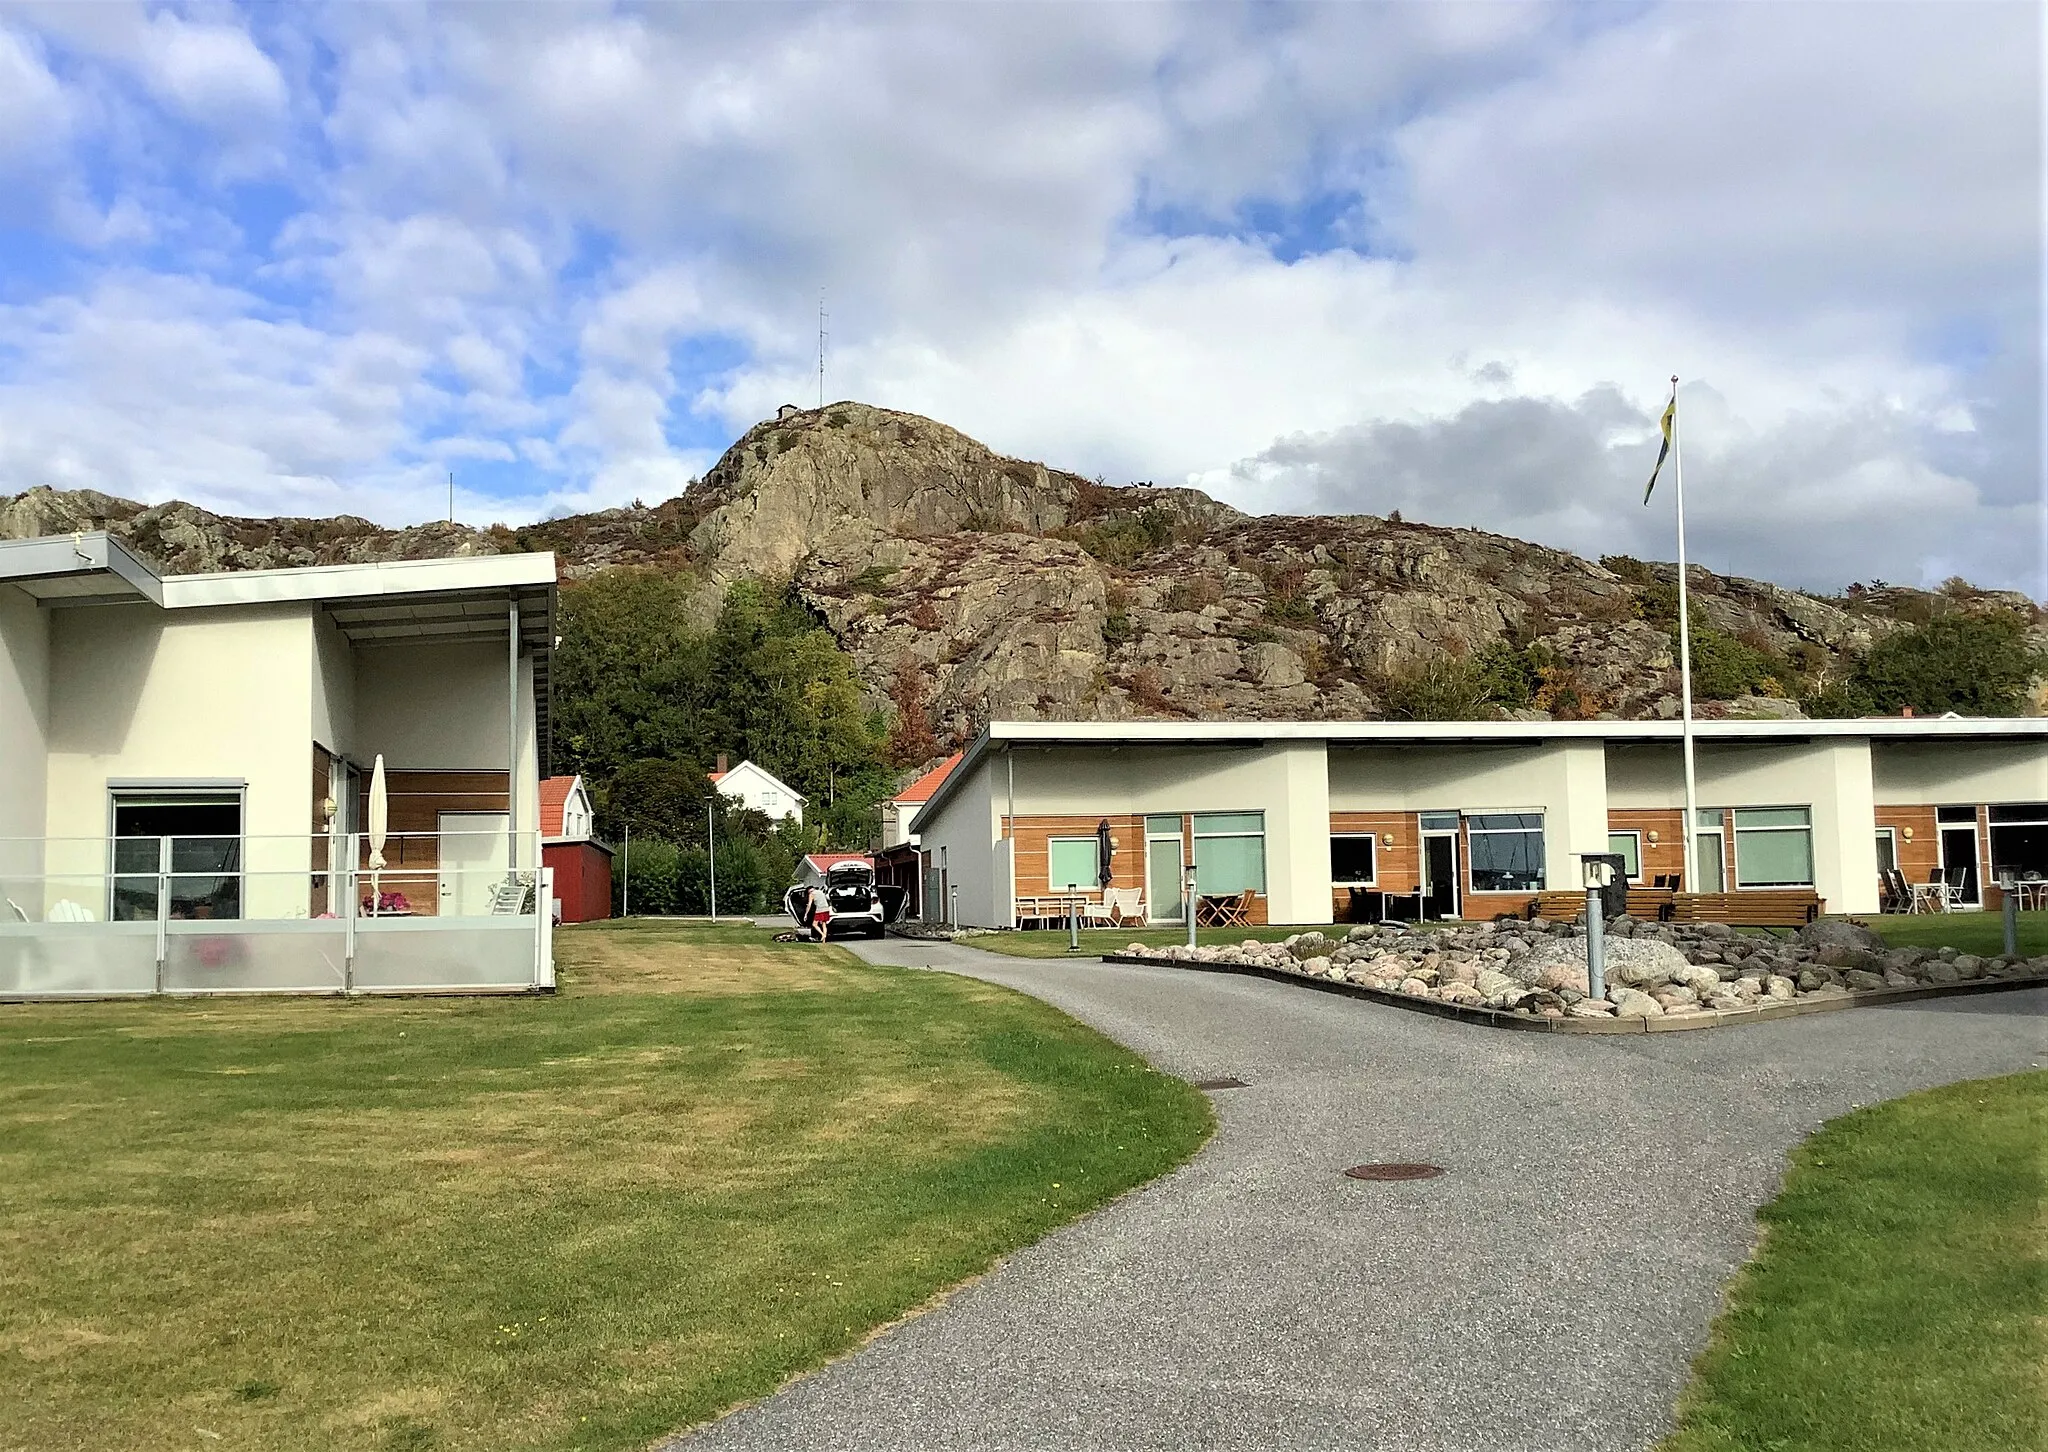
(1645,904)
(1772,907)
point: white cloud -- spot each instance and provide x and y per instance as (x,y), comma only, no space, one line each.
(556,239)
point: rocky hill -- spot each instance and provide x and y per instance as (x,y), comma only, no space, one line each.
(1022,591)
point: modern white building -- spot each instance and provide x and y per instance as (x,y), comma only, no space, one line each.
(1322,821)
(186,766)
(755,789)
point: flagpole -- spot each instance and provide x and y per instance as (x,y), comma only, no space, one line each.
(1692,806)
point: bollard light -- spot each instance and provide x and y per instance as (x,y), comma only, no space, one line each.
(1187,899)
(1599,871)
(1073,917)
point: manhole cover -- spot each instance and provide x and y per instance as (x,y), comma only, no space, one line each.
(1394,1172)
(1221,1084)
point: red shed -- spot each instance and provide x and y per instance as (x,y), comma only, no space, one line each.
(583,865)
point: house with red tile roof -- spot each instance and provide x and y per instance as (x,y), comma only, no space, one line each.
(583,865)
(899,809)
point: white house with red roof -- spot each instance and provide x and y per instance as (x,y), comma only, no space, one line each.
(582,864)
(756,789)
(899,809)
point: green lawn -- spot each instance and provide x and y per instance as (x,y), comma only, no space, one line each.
(572,1222)
(1048,943)
(1980,933)
(1897,1303)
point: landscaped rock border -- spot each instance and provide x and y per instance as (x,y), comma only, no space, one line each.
(1660,976)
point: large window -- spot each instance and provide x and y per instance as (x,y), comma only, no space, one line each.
(1230,852)
(1629,847)
(1351,860)
(1071,861)
(2019,842)
(192,838)
(1773,847)
(1507,851)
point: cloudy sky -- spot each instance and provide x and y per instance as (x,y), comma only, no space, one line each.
(1433,257)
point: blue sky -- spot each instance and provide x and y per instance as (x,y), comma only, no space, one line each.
(308,259)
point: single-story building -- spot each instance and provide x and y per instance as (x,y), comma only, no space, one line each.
(186,796)
(1301,821)
(756,789)
(582,865)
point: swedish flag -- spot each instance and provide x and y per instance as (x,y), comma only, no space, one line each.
(1669,422)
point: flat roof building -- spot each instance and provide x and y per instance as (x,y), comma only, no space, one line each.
(1314,821)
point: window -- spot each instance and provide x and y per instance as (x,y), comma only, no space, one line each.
(194,837)
(1230,852)
(1773,847)
(1629,846)
(1887,849)
(1507,851)
(2019,842)
(1709,852)
(770,798)
(1070,862)
(1351,860)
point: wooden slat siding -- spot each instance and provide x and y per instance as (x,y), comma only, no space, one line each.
(1398,868)
(415,800)
(1919,857)
(1666,856)
(1032,855)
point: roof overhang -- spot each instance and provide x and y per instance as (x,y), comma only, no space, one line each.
(1001,737)
(81,567)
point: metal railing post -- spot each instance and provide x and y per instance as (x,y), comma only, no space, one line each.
(544,931)
(163,908)
(348,916)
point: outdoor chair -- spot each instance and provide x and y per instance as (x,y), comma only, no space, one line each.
(1125,904)
(1100,910)
(1227,911)
(1952,886)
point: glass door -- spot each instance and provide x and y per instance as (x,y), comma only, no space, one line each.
(1959,854)
(1439,864)
(1708,854)
(1163,875)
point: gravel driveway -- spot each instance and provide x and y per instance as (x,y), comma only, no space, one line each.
(1548,1293)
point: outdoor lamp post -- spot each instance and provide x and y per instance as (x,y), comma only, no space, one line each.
(1073,917)
(2009,906)
(1598,869)
(711,844)
(1187,899)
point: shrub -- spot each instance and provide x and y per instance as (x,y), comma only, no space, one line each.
(1976,664)
(1194,594)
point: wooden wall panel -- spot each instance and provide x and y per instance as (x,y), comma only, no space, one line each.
(416,800)
(1032,855)
(1663,858)
(1919,857)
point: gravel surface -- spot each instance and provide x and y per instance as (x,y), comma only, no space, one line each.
(1548,1293)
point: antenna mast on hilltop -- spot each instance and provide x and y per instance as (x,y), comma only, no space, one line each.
(821,347)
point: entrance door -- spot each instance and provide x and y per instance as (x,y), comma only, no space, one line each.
(1959,858)
(472,861)
(1440,875)
(1163,880)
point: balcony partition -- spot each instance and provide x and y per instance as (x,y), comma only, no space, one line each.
(106,917)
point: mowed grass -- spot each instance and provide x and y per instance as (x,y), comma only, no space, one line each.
(1981,933)
(1052,943)
(1899,1302)
(575,1222)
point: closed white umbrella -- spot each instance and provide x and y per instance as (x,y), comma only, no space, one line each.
(380,823)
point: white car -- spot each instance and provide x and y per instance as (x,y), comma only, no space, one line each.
(845,903)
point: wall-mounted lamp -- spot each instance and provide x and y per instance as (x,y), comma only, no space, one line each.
(1386,839)
(1653,836)
(1907,833)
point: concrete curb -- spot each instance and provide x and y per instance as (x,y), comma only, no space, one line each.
(1501,1019)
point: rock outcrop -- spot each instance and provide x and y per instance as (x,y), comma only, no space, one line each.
(1023,591)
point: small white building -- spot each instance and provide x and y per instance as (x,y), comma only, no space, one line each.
(755,789)
(186,768)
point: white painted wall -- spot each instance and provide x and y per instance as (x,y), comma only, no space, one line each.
(1565,780)
(24,726)
(754,789)
(140,693)
(1960,773)
(1831,775)
(434,707)
(334,687)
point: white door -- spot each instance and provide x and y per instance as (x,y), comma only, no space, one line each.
(472,861)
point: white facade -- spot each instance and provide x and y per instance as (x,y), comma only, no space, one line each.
(755,790)
(256,694)
(1302,776)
